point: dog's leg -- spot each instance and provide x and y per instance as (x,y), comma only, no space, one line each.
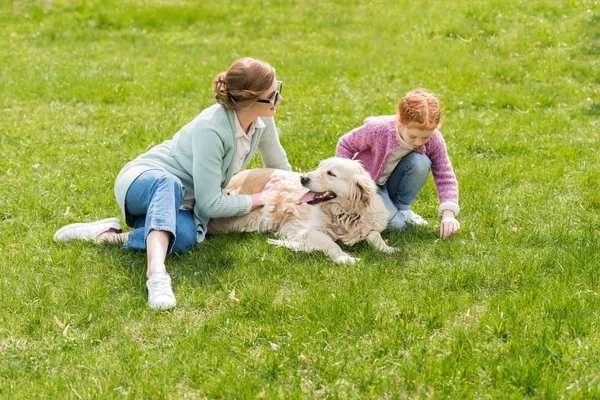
(317,241)
(376,240)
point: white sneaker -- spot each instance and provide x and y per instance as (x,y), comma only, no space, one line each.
(160,293)
(413,218)
(398,221)
(89,231)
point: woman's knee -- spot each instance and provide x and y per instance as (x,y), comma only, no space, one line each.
(171,183)
(185,234)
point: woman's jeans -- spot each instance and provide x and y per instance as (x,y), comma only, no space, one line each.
(152,203)
(403,185)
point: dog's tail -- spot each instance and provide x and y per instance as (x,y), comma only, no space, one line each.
(294,245)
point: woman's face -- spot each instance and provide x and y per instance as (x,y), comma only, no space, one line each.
(264,107)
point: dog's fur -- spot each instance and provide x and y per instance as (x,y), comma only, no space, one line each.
(355,213)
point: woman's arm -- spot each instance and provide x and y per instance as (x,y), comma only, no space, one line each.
(271,151)
(212,201)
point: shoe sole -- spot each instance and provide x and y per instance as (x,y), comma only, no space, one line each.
(110,223)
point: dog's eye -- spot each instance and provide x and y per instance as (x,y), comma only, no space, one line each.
(330,173)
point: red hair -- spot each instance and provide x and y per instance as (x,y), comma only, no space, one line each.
(419,110)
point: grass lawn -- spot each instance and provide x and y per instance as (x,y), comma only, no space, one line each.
(507,308)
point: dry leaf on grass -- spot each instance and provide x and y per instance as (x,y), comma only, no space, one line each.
(468,315)
(303,358)
(232,296)
(60,324)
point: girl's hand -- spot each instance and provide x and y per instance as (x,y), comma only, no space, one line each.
(449,225)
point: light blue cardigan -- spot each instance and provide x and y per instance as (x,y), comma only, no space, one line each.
(202,156)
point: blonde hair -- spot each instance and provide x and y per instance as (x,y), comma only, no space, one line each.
(243,83)
(419,110)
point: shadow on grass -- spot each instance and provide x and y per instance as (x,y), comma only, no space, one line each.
(225,260)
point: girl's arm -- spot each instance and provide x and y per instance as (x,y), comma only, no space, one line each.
(446,184)
(443,174)
(351,143)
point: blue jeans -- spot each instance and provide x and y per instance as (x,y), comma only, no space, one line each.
(152,203)
(405,182)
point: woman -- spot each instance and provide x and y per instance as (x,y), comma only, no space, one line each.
(168,194)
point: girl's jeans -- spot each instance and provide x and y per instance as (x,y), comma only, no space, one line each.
(152,203)
(403,185)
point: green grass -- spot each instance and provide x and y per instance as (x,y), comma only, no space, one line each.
(507,308)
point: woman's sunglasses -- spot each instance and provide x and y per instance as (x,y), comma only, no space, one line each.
(275,99)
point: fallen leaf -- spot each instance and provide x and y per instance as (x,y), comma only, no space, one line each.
(232,296)
(303,358)
(60,324)
(9,172)
(66,330)
(473,236)
(468,315)
(67,211)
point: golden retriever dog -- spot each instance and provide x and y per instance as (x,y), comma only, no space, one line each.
(337,201)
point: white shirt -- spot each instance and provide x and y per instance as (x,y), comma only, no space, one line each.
(394,158)
(242,142)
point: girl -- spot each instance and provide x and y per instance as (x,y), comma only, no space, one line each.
(168,194)
(399,151)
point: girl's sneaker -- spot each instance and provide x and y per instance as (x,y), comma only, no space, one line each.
(398,221)
(413,218)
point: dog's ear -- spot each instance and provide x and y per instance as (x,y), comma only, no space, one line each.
(362,190)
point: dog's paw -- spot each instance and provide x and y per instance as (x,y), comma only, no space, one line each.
(390,250)
(345,259)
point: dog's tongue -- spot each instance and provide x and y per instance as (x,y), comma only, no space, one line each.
(306,197)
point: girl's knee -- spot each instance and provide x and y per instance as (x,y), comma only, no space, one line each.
(420,162)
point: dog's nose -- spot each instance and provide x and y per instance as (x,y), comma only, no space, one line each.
(304,179)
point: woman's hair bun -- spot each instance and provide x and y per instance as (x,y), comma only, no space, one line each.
(243,83)
(219,86)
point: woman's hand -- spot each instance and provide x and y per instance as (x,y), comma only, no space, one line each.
(258,199)
(449,225)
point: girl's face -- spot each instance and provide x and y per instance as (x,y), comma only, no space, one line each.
(414,137)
